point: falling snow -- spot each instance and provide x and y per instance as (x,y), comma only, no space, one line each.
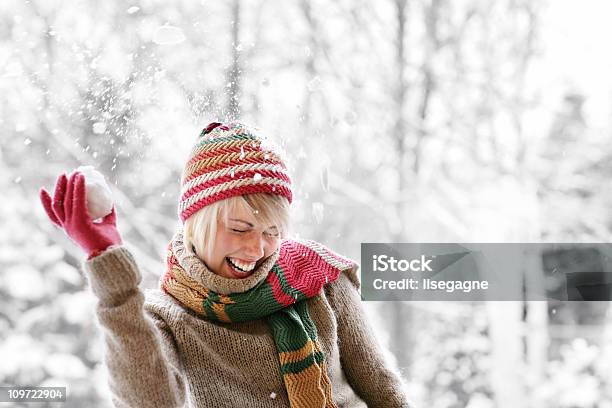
(127,88)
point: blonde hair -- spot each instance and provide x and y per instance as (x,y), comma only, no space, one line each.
(200,229)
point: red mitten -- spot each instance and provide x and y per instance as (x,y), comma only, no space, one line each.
(68,210)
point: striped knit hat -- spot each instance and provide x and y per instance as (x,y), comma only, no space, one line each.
(230,160)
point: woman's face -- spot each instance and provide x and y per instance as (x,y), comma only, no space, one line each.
(241,245)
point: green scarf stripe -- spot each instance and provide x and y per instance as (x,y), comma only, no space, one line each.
(207,304)
(298,366)
(285,287)
(205,142)
(249,304)
(289,331)
(311,329)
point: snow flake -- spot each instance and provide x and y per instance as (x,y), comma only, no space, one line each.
(257,177)
(242,154)
(273,395)
(133,9)
(27,141)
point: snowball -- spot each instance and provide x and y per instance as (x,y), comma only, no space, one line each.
(98,195)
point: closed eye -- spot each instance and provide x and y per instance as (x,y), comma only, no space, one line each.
(272,232)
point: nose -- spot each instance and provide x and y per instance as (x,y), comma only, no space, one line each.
(255,247)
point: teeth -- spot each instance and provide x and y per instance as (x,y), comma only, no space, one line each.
(244,266)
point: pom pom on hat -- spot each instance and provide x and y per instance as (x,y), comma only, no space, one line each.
(230,160)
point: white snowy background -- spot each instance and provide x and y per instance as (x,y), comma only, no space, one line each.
(403,120)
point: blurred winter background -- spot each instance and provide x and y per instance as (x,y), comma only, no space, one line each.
(404,120)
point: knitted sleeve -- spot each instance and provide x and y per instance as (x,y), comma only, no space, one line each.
(139,350)
(360,353)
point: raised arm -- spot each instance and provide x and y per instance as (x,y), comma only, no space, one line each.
(140,354)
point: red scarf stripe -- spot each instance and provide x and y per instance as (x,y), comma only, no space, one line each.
(277,291)
(239,175)
(317,269)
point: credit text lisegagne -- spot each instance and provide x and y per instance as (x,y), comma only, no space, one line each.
(385,263)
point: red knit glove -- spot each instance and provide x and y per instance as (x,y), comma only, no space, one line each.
(68,210)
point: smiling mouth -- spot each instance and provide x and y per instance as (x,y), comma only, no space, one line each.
(238,269)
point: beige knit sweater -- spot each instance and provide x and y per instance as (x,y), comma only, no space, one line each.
(160,354)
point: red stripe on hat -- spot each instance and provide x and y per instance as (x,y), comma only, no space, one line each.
(247,174)
(232,163)
(236,191)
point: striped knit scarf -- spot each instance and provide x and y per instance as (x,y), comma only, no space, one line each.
(299,273)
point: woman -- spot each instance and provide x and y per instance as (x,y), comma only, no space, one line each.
(243,317)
